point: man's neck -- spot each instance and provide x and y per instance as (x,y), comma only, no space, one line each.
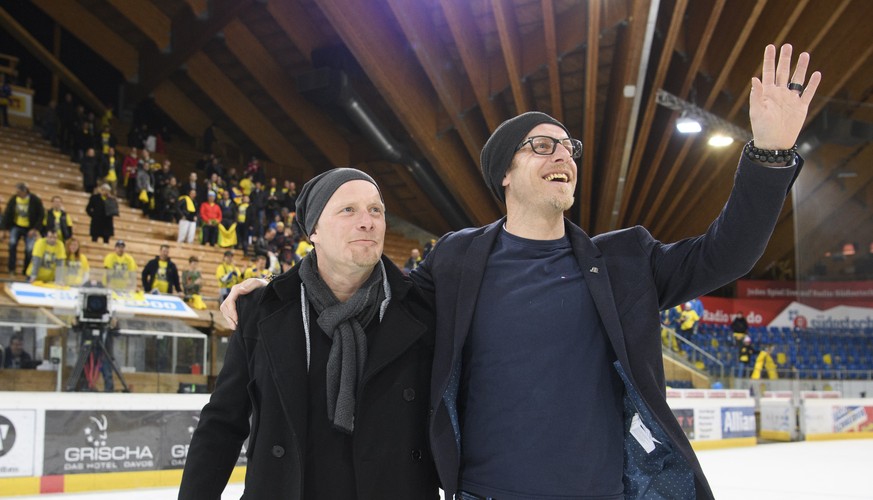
(535,226)
(344,283)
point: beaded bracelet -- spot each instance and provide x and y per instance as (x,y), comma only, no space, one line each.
(769,155)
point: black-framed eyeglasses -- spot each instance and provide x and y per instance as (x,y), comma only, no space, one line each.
(545,145)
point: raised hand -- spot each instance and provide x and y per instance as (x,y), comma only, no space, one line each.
(776,112)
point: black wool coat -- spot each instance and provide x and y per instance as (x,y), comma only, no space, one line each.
(101,224)
(265,378)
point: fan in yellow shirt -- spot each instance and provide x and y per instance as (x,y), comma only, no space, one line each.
(228,275)
(120,268)
(47,253)
(76,266)
(259,270)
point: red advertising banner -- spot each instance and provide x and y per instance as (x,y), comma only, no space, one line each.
(842,291)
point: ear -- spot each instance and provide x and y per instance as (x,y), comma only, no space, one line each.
(313,237)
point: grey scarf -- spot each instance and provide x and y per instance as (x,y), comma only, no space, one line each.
(344,324)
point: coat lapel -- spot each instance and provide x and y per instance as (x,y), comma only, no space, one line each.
(472,272)
(394,335)
(596,274)
(281,333)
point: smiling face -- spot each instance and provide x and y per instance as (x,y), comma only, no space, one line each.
(350,234)
(541,181)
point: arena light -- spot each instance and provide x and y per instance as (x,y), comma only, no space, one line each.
(719,140)
(688,124)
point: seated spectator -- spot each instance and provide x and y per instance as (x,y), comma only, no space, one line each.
(47,253)
(259,269)
(413,261)
(23,219)
(76,265)
(57,220)
(228,275)
(16,357)
(160,274)
(187,214)
(120,268)
(210,214)
(102,208)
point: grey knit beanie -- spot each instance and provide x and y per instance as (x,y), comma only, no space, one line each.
(316,193)
(500,148)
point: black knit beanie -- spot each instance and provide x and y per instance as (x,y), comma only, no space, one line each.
(500,148)
(316,193)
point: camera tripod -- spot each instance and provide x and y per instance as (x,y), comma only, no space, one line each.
(92,350)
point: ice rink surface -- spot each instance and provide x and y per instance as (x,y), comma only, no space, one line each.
(821,470)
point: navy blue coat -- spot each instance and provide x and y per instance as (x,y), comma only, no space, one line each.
(632,277)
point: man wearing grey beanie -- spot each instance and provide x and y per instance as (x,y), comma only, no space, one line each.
(548,377)
(328,371)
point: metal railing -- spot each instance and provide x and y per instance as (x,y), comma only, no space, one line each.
(691,355)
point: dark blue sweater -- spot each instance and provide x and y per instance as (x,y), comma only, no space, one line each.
(540,404)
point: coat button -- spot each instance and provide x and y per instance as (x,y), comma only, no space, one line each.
(416,455)
(278,451)
(409,394)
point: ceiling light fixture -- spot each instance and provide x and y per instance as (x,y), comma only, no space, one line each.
(720,140)
(703,118)
(687,124)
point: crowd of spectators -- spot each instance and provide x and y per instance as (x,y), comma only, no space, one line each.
(215,204)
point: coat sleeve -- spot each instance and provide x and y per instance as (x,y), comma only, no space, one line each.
(732,244)
(224,425)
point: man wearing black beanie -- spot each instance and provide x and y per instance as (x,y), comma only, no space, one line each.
(548,377)
(328,371)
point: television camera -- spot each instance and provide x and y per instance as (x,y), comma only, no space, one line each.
(95,318)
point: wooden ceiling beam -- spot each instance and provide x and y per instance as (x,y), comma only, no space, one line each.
(324,135)
(43,55)
(702,45)
(198,7)
(676,21)
(841,76)
(238,108)
(443,76)
(619,126)
(510,45)
(92,32)
(589,120)
(409,94)
(472,51)
(552,58)
(727,67)
(148,18)
(297,25)
(181,109)
(189,34)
